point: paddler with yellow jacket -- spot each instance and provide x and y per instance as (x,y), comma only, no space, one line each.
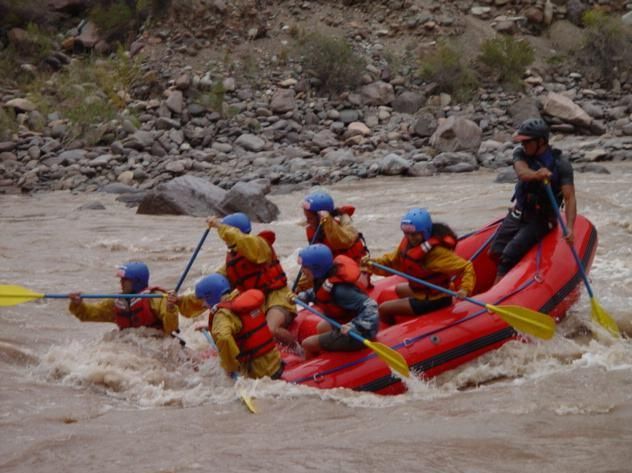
(238,326)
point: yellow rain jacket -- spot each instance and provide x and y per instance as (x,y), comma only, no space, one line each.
(340,235)
(439,260)
(226,325)
(256,249)
(104,311)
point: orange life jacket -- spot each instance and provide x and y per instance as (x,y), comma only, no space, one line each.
(244,274)
(356,251)
(136,312)
(412,258)
(254,339)
(347,271)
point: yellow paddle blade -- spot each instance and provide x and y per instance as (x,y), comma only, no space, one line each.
(392,358)
(525,320)
(247,400)
(14,295)
(602,317)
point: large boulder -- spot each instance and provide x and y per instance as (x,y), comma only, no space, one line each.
(560,106)
(456,134)
(249,198)
(184,195)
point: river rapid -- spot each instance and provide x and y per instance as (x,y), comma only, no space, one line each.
(79,397)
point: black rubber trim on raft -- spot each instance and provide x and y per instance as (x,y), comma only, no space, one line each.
(465,349)
(442,358)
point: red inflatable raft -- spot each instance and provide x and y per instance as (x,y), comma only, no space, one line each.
(546,280)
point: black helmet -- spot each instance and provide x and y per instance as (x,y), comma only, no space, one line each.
(532,128)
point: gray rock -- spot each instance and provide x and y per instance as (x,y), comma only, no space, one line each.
(425,125)
(250,142)
(175,102)
(95,205)
(283,101)
(394,165)
(249,198)
(184,195)
(325,139)
(139,141)
(377,93)
(448,160)
(594,168)
(408,102)
(457,134)
(118,188)
(506,176)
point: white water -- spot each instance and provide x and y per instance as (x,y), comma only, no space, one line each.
(79,397)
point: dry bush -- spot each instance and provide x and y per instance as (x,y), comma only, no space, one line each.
(445,67)
(606,50)
(506,59)
(331,60)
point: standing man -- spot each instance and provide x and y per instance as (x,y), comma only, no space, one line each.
(532,216)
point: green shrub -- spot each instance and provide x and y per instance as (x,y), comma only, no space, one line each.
(606,47)
(507,58)
(331,60)
(87,93)
(445,67)
(8,124)
(113,19)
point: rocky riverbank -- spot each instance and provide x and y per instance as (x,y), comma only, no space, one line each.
(280,131)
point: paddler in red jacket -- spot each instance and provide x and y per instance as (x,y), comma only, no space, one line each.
(157,313)
(426,252)
(238,326)
(331,226)
(251,263)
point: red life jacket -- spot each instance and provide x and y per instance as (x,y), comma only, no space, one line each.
(254,339)
(244,274)
(136,312)
(347,271)
(356,251)
(413,263)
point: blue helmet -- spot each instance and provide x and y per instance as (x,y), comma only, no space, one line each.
(317,201)
(238,220)
(136,272)
(317,258)
(212,288)
(417,220)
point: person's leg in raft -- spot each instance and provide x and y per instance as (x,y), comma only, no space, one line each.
(277,318)
(389,309)
(311,344)
(279,313)
(528,235)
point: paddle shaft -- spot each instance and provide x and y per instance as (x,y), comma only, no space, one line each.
(105,296)
(427,284)
(298,276)
(191,260)
(556,207)
(331,321)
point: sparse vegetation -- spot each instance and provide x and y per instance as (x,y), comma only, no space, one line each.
(445,67)
(8,124)
(113,19)
(331,60)
(87,93)
(606,48)
(506,58)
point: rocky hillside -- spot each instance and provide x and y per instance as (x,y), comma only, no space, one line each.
(302,92)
